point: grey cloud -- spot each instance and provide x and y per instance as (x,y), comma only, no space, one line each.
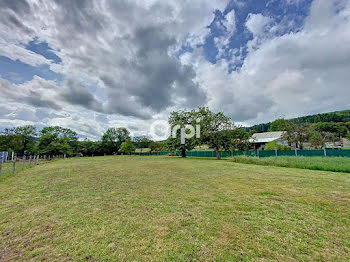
(35,99)
(123,45)
(20,7)
(78,94)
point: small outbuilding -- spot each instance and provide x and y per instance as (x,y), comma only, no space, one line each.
(259,140)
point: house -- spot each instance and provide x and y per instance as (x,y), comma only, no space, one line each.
(259,140)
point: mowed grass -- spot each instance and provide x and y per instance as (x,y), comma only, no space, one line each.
(334,164)
(134,208)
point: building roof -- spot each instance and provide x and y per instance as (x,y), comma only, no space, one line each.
(266,137)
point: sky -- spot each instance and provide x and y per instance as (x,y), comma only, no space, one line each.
(89,65)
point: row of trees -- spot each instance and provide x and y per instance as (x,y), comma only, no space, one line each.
(217,131)
(62,141)
(333,117)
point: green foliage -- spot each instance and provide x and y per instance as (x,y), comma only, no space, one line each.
(89,148)
(318,138)
(339,116)
(127,147)
(216,129)
(274,145)
(18,139)
(182,118)
(338,129)
(57,141)
(113,138)
(279,125)
(142,142)
(297,134)
(158,146)
(238,139)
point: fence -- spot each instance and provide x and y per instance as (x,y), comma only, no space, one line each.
(20,163)
(258,153)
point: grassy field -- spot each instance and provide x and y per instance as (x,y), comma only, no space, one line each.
(131,208)
(334,164)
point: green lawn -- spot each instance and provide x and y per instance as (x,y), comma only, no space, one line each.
(132,208)
(334,164)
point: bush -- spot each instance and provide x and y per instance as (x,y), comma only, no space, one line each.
(273,145)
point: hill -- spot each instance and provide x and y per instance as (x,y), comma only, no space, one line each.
(338,116)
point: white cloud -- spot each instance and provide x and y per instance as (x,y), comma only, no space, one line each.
(127,51)
(292,75)
(257,23)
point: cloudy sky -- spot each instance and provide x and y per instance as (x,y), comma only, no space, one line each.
(89,65)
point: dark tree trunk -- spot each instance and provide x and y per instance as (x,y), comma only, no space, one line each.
(183,151)
(217,154)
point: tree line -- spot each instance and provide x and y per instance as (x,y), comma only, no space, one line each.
(334,117)
(217,131)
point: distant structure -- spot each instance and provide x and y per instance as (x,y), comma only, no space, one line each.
(259,140)
(3,156)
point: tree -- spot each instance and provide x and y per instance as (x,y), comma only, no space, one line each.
(280,124)
(89,148)
(157,146)
(297,133)
(113,138)
(182,118)
(57,141)
(215,129)
(142,142)
(19,139)
(127,147)
(319,138)
(239,140)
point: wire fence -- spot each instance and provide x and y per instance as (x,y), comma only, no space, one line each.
(256,153)
(13,164)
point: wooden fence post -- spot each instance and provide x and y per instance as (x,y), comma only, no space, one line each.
(276,152)
(24,161)
(0,165)
(30,160)
(325,152)
(296,152)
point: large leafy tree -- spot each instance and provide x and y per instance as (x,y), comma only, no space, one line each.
(56,140)
(89,148)
(215,129)
(280,124)
(319,138)
(113,138)
(19,139)
(297,134)
(182,118)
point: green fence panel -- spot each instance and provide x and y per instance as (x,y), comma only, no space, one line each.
(285,153)
(253,153)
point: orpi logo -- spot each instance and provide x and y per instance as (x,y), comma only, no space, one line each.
(161,130)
